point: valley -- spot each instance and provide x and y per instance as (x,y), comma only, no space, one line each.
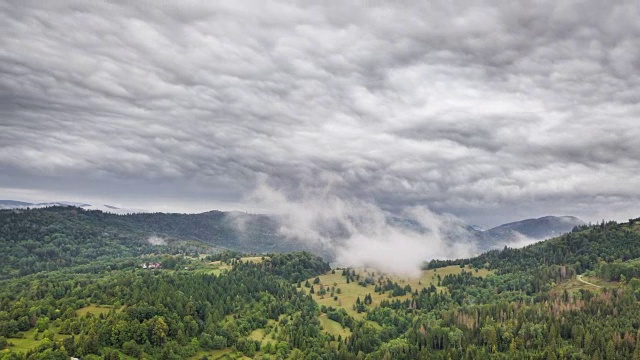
(114,295)
(289,180)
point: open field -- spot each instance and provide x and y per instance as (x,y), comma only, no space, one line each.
(254,259)
(218,267)
(428,277)
(217,354)
(95,310)
(349,293)
(601,282)
(575,284)
(24,344)
(262,336)
(27,342)
(213,267)
(333,328)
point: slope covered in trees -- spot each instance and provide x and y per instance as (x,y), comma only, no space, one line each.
(47,239)
(161,314)
(105,232)
(527,305)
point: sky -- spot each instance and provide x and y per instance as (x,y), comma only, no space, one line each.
(486,111)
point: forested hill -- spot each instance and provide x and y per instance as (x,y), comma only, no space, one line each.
(233,230)
(51,238)
(253,233)
(47,238)
(537,229)
(572,297)
(583,249)
(586,248)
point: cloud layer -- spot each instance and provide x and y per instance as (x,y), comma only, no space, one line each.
(490,112)
(357,233)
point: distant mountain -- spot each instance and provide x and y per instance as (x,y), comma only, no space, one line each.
(515,234)
(12,204)
(528,230)
(261,233)
(61,203)
(113,209)
(238,231)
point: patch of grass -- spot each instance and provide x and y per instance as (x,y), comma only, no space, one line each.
(218,267)
(27,342)
(602,282)
(96,310)
(213,354)
(572,286)
(24,344)
(349,293)
(575,285)
(334,328)
(429,277)
(213,267)
(254,259)
(257,334)
(352,291)
(215,272)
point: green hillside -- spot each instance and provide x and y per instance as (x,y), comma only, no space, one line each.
(57,237)
(74,286)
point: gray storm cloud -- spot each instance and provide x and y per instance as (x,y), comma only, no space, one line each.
(490,111)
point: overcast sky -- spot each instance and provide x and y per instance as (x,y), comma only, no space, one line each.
(489,113)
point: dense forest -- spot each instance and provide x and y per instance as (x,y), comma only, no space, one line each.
(76,285)
(52,238)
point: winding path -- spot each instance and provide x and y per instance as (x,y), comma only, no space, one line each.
(579,277)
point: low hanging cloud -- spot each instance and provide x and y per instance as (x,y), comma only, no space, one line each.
(156,240)
(519,241)
(357,233)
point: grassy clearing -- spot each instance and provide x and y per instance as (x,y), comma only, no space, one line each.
(352,291)
(219,267)
(572,286)
(262,335)
(429,277)
(601,282)
(213,267)
(28,342)
(333,328)
(349,293)
(96,310)
(24,344)
(254,259)
(214,354)
(215,272)
(257,334)
(575,285)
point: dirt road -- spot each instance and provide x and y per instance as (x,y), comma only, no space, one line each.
(586,282)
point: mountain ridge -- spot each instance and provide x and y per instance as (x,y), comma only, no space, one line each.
(533,229)
(14,204)
(260,233)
